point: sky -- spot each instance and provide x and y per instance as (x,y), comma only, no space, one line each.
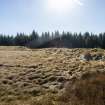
(46,15)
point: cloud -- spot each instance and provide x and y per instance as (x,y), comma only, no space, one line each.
(79,2)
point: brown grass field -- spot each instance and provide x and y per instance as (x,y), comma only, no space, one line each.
(50,77)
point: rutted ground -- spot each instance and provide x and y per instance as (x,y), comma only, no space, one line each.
(26,74)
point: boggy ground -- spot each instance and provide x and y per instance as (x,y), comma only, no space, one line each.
(28,75)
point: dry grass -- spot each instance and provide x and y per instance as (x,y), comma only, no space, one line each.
(27,76)
(89,90)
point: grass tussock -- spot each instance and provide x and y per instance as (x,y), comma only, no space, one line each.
(86,91)
(41,76)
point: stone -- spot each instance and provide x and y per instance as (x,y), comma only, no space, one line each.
(86,56)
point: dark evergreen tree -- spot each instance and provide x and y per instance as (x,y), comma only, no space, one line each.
(34,35)
(66,39)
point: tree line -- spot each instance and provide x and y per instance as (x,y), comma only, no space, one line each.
(69,40)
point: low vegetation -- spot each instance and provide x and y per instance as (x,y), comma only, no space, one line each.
(51,76)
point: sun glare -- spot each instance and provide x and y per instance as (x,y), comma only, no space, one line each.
(61,5)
